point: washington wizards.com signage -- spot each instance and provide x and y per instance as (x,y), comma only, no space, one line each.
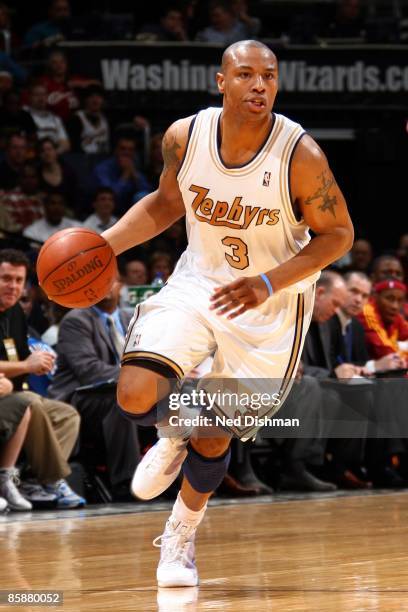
(180,76)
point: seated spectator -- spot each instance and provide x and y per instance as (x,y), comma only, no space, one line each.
(349,349)
(55,313)
(89,347)
(15,120)
(361,256)
(61,86)
(54,425)
(252,25)
(24,204)
(55,174)
(15,417)
(135,273)
(48,125)
(121,175)
(171,28)
(7,225)
(386,331)
(34,311)
(331,293)
(225,28)
(386,266)
(37,383)
(13,162)
(48,33)
(190,11)
(54,219)
(340,401)
(89,127)
(352,348)
(104,205)
(160,264)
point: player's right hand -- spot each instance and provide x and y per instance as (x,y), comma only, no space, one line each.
(40,362)
(239,296)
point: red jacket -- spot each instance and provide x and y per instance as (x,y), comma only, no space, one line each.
(382,339)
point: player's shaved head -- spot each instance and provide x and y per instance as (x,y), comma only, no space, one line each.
(231,53)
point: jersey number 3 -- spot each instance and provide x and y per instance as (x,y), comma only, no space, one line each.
(239,257)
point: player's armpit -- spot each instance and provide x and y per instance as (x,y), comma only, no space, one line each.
(316,193)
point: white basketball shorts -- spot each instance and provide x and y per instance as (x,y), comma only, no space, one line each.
(174,331)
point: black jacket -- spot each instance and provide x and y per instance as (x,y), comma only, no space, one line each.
(325,349)
(359,353)
(85,353)
(13,324)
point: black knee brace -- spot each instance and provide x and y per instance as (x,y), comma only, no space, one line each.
(205,474)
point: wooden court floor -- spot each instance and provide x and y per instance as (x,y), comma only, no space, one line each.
(325,554)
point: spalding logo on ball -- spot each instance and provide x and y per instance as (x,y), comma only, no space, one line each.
(76,267)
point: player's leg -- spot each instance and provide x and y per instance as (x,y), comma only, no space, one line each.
(205,467)
(166,339)
(139,390)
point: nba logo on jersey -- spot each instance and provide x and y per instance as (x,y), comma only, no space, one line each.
(266,179)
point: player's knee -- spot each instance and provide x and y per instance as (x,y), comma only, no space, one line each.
(133,400)
(210,447)
(135,393)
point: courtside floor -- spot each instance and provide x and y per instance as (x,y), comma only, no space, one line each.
(314,553)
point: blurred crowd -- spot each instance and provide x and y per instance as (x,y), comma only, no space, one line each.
(215,21)
(67,159)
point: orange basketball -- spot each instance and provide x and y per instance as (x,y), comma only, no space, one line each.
(76,267)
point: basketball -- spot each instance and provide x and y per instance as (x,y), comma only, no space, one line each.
(76,267)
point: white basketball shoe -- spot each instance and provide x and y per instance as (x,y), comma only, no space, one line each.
(159,467)
(177,566)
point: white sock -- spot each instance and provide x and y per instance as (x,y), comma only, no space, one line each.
(5,473)
(183,514)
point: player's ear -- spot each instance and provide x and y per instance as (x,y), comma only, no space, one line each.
(220,82)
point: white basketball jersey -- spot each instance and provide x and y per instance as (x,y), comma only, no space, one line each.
(240,220)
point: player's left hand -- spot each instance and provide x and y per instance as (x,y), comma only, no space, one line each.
(239,296)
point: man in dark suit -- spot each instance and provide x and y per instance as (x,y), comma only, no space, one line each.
(310,402)
(89,349)
(349,347)
(347,408)
(347,333)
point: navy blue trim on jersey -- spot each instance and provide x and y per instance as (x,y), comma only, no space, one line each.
(252,158)
(190,131)
(289,165)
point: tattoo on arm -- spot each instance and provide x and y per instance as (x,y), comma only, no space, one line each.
(169,148)
(328,201)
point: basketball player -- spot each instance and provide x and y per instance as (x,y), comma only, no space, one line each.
(251,183)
